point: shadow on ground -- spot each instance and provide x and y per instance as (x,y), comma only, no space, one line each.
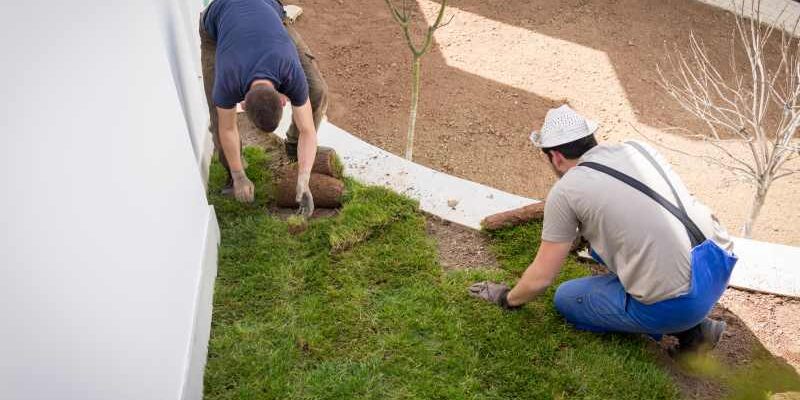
(633,34)
(740,368)
(476,127)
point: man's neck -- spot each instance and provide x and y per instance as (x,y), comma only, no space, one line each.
(262,82)
(571,163)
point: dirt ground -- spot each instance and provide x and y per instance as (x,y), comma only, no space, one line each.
(775,320)
(460,247)
(496,69)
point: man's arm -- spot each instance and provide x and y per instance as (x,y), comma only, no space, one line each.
(541,273)
(229,137)
(560,224)
(231,146)
(307,146)
(306,153)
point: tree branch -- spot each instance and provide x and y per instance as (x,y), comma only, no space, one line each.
(746,170)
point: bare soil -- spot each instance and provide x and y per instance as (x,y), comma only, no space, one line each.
(775,320)
(460,247)
(500,65)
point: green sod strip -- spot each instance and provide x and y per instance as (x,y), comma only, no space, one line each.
(358,307)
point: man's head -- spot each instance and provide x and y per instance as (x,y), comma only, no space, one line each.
(565,137)
(565,156)
(264,106)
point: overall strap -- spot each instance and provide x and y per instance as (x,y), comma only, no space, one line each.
(663,174)
(660,170)
(695,234)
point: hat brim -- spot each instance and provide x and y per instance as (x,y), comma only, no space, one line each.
(592,125)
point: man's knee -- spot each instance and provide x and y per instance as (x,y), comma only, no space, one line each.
(572,298)
(566,297)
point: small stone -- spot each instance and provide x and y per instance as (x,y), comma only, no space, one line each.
(452,203)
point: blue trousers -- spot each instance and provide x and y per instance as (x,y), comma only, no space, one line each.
(600,303)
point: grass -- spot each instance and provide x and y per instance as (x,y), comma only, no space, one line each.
(358,307)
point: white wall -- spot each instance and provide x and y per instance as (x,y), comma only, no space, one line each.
(105,230)
(179,25)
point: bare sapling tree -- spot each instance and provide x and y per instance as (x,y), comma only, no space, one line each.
(404,17)
(758,109)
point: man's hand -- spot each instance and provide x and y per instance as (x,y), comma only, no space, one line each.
(489,291)
(304,198)
(243,189)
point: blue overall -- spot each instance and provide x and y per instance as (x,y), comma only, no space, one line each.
(600,303)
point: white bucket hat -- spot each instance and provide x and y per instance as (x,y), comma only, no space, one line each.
(562,125)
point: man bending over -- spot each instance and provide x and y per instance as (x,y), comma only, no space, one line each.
(249,54)
(670,260)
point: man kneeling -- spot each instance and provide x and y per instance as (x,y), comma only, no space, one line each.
(669,256)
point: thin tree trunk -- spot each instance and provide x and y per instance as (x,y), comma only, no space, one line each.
(755,209)
(414,102)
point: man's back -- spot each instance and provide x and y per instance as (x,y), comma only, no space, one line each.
(639,240)
(252,43)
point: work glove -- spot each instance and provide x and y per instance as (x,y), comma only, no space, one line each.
(496,293)
(304,198)
(243,189)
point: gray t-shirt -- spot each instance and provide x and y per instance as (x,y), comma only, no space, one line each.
(639,240)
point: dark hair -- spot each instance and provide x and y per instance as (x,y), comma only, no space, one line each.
(575,149)
(263,106)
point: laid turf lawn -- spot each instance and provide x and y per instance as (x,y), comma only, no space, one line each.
(358,307)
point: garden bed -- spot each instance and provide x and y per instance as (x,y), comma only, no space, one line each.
(496,69)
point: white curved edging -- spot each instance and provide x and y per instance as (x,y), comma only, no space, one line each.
(766,267)
(763,267)
(778,13)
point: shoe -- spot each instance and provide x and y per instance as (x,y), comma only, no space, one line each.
(712,331)
(704,336)
(292,12)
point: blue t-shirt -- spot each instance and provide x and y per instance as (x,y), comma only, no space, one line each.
(252,43)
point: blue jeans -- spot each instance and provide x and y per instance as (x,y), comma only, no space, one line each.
(600,303)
